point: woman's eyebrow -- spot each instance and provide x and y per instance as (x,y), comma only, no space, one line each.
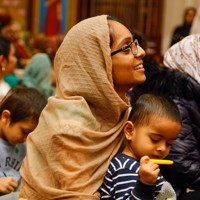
(125,40)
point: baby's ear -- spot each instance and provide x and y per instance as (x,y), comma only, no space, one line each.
(6,116)
(129,130)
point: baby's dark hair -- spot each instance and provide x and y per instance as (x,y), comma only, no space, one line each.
(151,105)
(24,103)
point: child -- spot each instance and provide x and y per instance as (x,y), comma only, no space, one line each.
(154,125)
(19,114)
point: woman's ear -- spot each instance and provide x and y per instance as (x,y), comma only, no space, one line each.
(6,116)
(129,130)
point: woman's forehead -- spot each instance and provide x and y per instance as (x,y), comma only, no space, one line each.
(119,31)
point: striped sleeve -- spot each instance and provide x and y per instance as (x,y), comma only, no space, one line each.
(121,182)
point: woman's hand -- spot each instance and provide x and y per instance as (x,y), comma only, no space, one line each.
(148,171)
(8,185)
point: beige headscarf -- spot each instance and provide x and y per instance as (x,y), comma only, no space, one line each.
(80,129)
(185,56)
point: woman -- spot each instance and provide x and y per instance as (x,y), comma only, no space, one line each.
(7,63)
(80,128)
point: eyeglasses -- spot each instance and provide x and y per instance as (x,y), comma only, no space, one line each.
(133,46)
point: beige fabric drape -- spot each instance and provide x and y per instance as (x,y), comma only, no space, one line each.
(80,129)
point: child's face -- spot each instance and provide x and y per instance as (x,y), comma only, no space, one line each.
(17,132)
(153,140)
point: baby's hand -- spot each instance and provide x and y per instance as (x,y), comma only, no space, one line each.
(8,185)
(148,171)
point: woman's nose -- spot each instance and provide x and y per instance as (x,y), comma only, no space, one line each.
(141,53)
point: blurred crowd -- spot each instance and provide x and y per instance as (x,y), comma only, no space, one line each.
(29,61)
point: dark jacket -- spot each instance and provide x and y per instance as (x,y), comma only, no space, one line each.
(185,152)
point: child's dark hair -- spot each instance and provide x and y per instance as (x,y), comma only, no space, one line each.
(151,105)
(24,103)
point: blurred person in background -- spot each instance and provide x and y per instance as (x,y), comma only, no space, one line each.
(183,30)
(40,43)
(8,62)
(22,50)
(8,29)
(38,74)
(5,23)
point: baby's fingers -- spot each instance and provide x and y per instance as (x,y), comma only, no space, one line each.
(148,170)
(144,160)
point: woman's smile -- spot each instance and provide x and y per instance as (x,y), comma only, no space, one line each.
(139,67)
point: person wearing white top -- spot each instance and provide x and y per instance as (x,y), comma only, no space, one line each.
(7,63)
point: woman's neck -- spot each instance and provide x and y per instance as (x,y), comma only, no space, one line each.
(121,92)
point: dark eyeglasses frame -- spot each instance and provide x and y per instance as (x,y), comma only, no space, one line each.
(135,42)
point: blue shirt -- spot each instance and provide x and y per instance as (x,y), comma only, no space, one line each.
(11,157)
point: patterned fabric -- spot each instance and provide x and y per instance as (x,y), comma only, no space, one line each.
(121,182)
(185,56)
(80,129)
